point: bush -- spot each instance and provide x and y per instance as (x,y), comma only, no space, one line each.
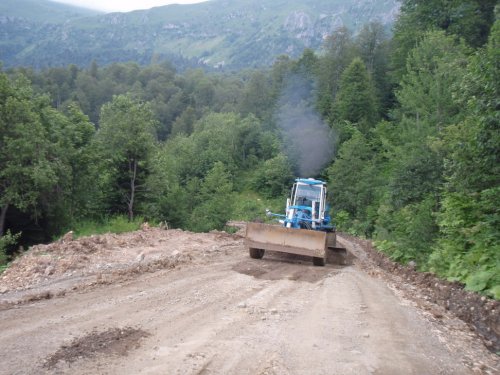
(7,240)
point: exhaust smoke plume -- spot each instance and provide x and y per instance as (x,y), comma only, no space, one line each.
(308,140)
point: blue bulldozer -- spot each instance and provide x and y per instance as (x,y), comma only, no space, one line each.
(305,229)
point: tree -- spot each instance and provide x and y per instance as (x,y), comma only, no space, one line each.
(127,139)
(356,101)
(274,177)
(256,96)
(468,249)
(339,52)
(433,68)
(26,170)
(166,198)
(470,20)
(185,122)
(352,181)
(374,49)
(80,154)
(214,200)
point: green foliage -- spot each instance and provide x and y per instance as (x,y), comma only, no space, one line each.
(407,234)
(405,221)
(374,48)
(215,201)
(339,52)
(256,96)
(342,221)
(416,173)
(126,141)
(166,199)
(468,249)
(467,19)
(6,240)
(356,100)
(250,206)
(469,246)
(25,169)
(273,178)
(114,224)
(353,184)
(425,94)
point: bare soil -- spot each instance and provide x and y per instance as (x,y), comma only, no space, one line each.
(114,341)
(173,302)
(482,314)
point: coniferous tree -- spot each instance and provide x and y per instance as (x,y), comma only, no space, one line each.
(356,101)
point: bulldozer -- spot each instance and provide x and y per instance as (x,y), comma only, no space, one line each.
(304,229)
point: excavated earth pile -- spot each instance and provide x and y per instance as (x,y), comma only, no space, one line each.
(100,259)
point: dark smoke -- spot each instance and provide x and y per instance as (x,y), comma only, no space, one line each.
(308,140)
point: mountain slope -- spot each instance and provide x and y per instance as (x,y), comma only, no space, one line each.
(42,11)
(235,33)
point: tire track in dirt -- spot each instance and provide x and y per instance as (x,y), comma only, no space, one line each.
(230,314)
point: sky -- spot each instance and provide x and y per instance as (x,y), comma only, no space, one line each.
(124,5)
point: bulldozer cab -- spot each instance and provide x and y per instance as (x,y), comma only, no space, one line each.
(308,195)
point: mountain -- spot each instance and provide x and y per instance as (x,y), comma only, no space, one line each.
(216,33)
(41,11)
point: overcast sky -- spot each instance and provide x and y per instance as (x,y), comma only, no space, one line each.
(124,5)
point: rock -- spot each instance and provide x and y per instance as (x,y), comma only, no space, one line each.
(412,264)
(3,290)
(140,257)
(242,305)
(49,270)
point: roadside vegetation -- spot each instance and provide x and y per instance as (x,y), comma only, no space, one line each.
(415,146)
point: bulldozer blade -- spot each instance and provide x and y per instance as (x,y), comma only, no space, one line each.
(287,240)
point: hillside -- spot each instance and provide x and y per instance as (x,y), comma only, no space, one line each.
(41,12)
(216,33)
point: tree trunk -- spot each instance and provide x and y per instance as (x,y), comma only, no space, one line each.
(133,176)
(3,215)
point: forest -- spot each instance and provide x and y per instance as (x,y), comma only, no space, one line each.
(404,127)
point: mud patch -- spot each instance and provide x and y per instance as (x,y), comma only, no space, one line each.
(115,341)
(284,267)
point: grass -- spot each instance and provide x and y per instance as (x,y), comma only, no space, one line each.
(3,267)
(115,224)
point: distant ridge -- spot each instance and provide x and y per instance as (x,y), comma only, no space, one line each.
(43,11)
(217,33)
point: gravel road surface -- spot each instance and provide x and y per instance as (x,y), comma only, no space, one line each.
(217,311)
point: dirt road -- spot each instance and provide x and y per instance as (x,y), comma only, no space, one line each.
(216,311)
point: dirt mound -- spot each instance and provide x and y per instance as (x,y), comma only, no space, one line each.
(480,312)
(108,255)
(116,341)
